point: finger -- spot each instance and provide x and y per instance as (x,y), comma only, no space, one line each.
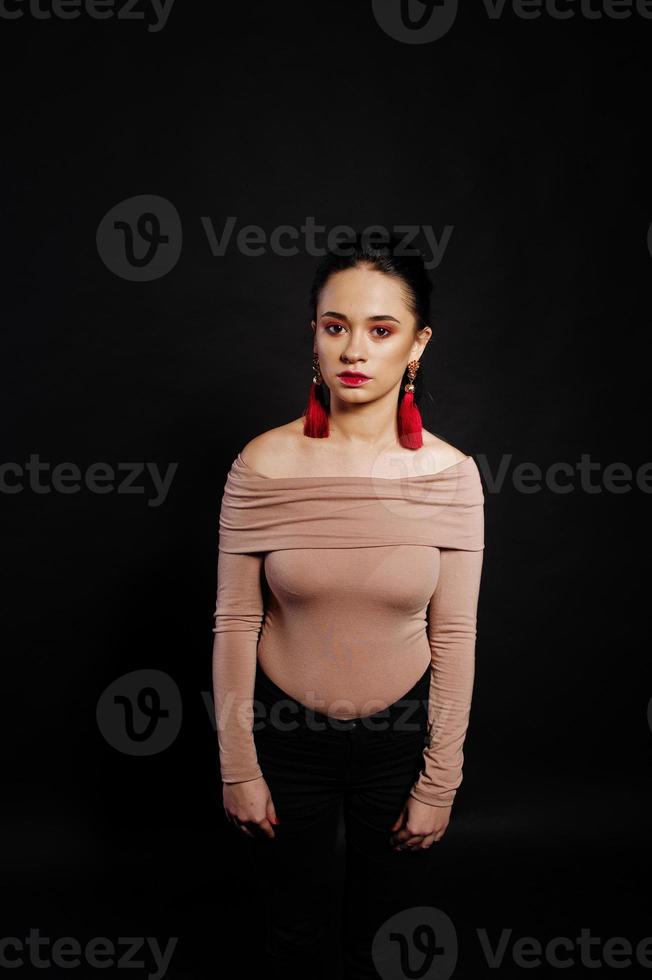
(399,820)
(240,825)
(410,837)
(407,843)
(264,828)
(399,838)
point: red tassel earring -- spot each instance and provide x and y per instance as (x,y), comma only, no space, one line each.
(315,422)
(410,423)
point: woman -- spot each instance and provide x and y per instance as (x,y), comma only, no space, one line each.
(345,625)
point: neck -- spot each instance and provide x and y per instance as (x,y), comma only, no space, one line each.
(367,425)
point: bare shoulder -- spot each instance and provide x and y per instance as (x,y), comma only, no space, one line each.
(283,451)
(270,452)
(440,453)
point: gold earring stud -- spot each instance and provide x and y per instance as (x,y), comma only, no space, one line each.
(412,369)
(317,378)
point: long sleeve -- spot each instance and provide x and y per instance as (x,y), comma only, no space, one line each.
(452,613)
(238,617)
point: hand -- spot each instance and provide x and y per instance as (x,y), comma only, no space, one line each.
(249,807)
(419,826)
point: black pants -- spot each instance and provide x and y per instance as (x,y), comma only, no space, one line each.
(315,764)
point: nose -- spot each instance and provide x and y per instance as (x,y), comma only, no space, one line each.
(352,356)
(353,353)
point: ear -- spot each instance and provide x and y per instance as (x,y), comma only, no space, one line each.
(420,345)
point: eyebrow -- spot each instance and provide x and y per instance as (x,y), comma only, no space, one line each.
(343,316)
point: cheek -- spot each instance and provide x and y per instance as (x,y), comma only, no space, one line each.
(395,351)
(391,363)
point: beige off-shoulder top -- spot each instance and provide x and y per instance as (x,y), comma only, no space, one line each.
(345,588)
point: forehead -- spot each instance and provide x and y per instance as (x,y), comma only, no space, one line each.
(361,292)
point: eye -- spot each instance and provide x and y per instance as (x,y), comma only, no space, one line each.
(329,327)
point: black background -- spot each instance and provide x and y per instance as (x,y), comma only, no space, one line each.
(528,137)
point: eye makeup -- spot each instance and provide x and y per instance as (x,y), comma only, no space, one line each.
(377,326)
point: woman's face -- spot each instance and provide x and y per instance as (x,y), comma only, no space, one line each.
(363,325)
